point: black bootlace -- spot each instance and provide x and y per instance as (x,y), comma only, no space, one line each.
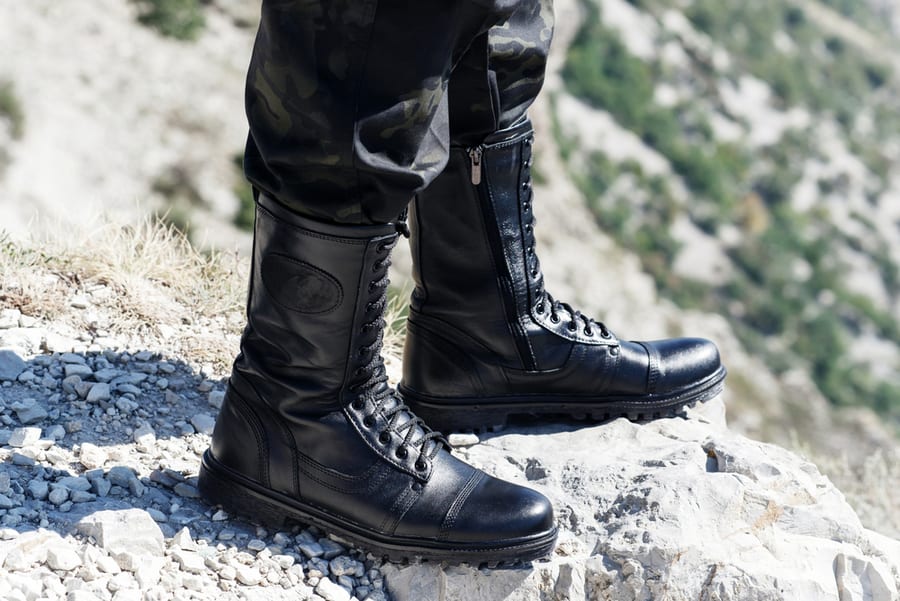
(544,299)
(370,379)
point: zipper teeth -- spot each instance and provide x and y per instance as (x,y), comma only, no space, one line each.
(496,245)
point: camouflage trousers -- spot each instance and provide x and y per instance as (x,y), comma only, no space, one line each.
(353,104)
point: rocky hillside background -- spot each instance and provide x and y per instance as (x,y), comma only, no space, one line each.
(716,168)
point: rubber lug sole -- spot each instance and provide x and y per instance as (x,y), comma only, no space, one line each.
(240,496)
(482,414)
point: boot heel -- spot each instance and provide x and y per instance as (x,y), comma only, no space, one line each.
(218,489)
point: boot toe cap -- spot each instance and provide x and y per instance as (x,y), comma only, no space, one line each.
(685,362)
(497,511)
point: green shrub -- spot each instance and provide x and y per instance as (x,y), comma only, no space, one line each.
(179,19)
(11,109)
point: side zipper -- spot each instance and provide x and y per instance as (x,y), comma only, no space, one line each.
(475,163)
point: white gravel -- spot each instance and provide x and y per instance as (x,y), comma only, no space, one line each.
(99,451)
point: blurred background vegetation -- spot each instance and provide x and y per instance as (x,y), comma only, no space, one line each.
(785,292)
(776,123)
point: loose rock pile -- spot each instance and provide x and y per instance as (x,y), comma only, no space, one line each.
(100,440)
(99,451)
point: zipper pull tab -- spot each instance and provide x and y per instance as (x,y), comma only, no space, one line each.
(475,158)
(401,225)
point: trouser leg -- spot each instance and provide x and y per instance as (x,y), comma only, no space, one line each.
(347,102)
(500,74)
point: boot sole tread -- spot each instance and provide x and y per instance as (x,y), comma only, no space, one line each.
(223,487)
(484,414)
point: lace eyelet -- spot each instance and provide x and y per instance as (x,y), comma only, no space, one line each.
(358,404)
(401,452)
(421,465)
(535,274)
(571,327)
(368,421)
(588,332)
(540,308)
(554,318)
(606,334)
(384,438)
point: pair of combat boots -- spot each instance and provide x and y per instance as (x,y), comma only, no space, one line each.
(310,430)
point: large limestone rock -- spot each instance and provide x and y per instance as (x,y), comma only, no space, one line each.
(674,509)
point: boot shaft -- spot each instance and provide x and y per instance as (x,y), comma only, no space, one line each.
(314,306)
(475,262)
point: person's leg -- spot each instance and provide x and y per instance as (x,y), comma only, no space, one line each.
(347,102)
(348,118)
(485,340)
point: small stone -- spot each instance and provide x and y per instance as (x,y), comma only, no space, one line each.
(100,486)
(22,460)
(58,496)
(106,375)
(80,496)
(136,487)
(55,432)
(462,439)
(78,369)
(215,398)
(157,515)
(107,564)
(203,423)
(120,475)
(162,383)
(6,502)
(62,558)
(144,436)
(310,549)
(256,545)
(183,540)
(127,530)
(227,573)
(330,591)
(283,561)
(342,564)
(79,302)
(23,437)
(330,548)
(248,575)
(220,516)
(38,489)
(4,482)
(11,365)
(190,561)
(31,413)
(183,489)
(99,392)
(70,384)
(74,483)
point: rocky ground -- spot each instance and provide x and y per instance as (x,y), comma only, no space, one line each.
(111,373)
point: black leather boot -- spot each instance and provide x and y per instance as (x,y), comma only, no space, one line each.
(485,340)
(311,432)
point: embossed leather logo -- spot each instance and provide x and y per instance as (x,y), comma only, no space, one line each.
(299,286)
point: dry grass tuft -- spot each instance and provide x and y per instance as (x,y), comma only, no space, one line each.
(145,285)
